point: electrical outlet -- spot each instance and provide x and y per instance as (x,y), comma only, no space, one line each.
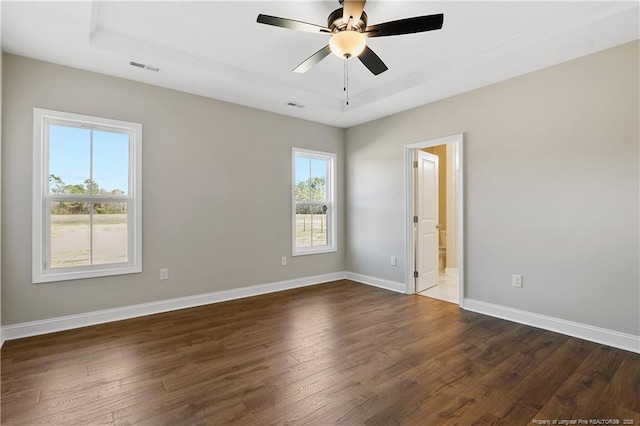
(516,280)
(164,274)
(283,261)
(394,261)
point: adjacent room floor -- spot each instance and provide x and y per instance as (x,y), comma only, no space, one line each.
(339,352)
(447,289)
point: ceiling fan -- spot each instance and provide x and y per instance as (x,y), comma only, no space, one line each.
(349,31)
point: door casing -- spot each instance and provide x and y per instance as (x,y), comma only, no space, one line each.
(410,208)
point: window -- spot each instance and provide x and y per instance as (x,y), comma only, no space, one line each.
(314,213)
(87,197)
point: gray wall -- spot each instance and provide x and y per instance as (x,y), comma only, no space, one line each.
(216,191)
(552,178)
(552,190)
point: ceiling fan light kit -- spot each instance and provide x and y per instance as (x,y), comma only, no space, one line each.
(348,43)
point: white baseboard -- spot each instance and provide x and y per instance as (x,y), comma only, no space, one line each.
(34,328)
(377,282)
(450,270)
(616,339)
(595,334)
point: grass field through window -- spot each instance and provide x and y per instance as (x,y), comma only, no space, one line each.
(311,228)
(71,239)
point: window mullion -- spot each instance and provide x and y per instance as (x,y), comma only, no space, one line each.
(87,198)
(311,203)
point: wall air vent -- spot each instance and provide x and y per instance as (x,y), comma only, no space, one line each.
(295,105)
(144,67)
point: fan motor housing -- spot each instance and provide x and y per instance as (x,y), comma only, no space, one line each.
(336,24)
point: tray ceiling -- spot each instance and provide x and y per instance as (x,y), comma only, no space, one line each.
(216,49)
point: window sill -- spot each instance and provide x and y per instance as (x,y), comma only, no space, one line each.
(303,252)
(39,278)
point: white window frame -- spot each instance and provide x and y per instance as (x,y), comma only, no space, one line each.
(41,239)
(332,243)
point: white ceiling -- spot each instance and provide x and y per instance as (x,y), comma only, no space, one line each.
(216,49)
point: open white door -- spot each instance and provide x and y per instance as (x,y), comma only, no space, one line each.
(427,225)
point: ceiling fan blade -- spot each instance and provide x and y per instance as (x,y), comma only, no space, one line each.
(313,60)
(372,61)
(352,8)
(406,26)
(291,24)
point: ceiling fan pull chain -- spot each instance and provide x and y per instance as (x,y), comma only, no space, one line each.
(346,77)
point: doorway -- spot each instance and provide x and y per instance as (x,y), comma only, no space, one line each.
(434,217)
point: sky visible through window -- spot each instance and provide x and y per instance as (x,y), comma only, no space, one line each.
(70,152)
(304,165)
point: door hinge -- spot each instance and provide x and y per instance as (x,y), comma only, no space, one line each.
(415,164)
(44,265)
(415,219)
(415,274)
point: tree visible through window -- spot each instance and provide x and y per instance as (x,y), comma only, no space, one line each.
(314,216)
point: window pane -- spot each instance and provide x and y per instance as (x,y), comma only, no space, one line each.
(311,226)
(318,183)
(109,233)
(70,234)
(319,226)
(69,159)
(303,225)
(110,163)
(303,171)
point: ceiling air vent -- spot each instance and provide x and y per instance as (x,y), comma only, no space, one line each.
(295,105)
(144,67)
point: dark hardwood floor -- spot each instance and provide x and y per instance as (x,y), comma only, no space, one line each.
(339,352)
